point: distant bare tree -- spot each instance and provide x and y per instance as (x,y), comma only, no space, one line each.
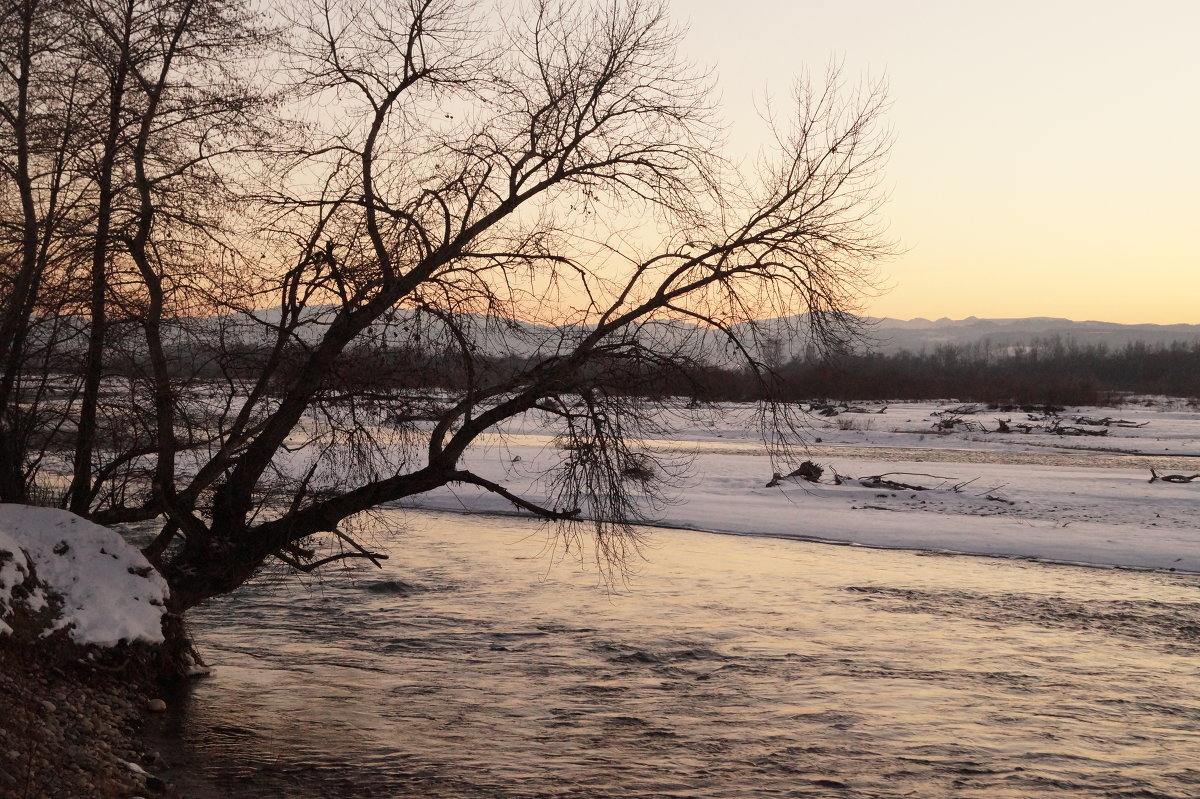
(459,179)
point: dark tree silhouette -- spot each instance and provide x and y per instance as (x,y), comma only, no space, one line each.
(434,176)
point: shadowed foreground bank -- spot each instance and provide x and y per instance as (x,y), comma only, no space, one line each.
(728,667)
(68,730)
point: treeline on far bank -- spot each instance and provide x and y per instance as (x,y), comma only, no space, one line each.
(1045,372)
(1049,372)
(1055,371)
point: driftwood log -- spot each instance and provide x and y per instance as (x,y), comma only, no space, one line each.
(1172,478)
(1108,421)
(1069,430)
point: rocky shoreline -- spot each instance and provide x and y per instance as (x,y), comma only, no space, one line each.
(71,728)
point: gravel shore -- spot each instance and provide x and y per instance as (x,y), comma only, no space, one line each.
(70,729)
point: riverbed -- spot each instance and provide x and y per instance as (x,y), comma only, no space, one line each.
(483,662)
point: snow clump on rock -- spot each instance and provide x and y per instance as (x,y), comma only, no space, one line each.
(85,578)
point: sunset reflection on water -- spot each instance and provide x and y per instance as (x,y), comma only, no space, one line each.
(476,665)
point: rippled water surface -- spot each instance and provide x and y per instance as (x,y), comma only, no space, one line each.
(475,666)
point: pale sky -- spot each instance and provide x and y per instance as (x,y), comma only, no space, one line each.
(1047,154)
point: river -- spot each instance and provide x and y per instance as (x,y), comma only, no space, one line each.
(480,664)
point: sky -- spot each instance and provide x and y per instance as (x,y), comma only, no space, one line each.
(1047,154)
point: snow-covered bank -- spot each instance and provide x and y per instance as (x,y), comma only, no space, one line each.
(1075,514)
(96,587)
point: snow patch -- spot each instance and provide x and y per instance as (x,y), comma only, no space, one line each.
(1019,502)
(109,592)
(14,568)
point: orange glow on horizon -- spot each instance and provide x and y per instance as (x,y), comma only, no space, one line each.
(1044,161)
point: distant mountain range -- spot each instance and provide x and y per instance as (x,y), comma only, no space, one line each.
(914,335)
(787,335)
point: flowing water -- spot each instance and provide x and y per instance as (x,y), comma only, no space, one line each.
(475,665)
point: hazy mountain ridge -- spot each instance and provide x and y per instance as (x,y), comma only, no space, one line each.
(499,337)
(892,335)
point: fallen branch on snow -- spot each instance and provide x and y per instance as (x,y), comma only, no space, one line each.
(1171,478)
(881,481)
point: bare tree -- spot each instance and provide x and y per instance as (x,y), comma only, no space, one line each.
(554,176)
(124,116)
(172,108)
(40,121)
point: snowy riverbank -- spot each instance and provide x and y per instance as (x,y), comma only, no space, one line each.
(965,487)
(1085,499)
